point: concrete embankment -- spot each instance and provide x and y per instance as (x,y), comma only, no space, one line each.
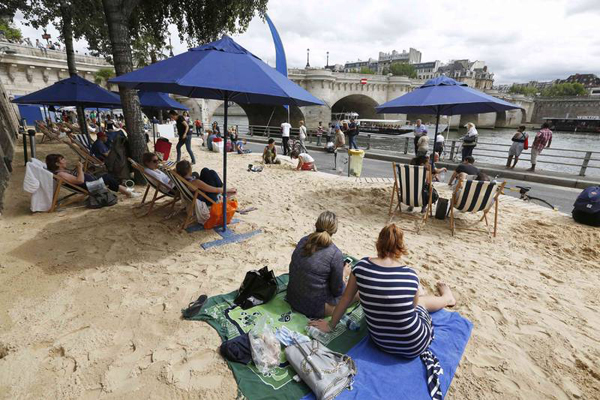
(541,176)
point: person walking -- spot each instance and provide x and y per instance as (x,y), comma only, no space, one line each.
(198,125)
(285,137)
(183,132)
(420,130)
(439,144)
(302,134)
(320,131)
(469,140)
(519,143)
(352,132)
(542,140)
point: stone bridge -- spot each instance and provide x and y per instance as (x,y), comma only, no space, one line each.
(343,92)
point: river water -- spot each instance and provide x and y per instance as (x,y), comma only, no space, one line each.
(569,147)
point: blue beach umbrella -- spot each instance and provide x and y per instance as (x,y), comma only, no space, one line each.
(73,91)
(445,96)
(221,70)
(159,101)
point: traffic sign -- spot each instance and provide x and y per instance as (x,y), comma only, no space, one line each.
(363,81)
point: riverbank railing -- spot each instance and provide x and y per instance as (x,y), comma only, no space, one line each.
(574,160)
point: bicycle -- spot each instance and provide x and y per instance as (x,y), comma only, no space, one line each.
(297,145)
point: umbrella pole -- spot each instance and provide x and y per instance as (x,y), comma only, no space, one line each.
(225,164)
(437,124)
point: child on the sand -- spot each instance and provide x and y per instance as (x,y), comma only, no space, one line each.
(305,161)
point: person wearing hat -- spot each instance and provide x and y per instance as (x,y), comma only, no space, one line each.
(469,141)
(100,149)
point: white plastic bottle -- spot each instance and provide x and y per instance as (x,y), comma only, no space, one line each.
(316,334)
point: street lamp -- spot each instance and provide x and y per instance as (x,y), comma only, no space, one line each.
(307,58)
(327,60)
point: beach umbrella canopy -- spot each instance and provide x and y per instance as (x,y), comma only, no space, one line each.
(221,70)
(445,96)
(73,91)
(159,101)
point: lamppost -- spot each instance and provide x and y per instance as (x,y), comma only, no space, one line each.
(327,60)
(307,58)
(170,47)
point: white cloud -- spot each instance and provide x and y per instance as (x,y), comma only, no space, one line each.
(520,40)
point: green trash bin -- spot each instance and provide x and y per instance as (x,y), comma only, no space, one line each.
(355,161)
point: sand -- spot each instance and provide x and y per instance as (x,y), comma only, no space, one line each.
(90,301)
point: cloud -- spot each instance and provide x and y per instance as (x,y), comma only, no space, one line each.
(575,7)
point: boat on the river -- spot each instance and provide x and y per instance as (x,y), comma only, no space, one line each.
(392,126)
(575,124)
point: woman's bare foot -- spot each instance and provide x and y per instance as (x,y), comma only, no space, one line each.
(446,293)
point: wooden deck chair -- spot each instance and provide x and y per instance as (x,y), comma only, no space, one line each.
(87,159)
(82,141)
(74,190)
(190,194)
(161,191)
(409,182)
(48,133)
(476,196)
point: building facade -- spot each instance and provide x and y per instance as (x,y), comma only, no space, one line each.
(412,56)
(473,73)
(427,70)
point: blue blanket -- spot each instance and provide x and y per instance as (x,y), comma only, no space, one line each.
(385,376)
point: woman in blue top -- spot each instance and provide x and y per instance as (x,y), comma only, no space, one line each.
(395,307)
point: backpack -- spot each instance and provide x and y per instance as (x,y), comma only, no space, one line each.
(101,198)
(257,288)
(588,201)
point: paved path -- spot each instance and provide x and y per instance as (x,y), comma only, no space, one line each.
(375,170)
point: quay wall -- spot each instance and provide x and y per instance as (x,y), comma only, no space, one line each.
(566,108)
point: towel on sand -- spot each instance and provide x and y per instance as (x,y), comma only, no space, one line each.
(387,376)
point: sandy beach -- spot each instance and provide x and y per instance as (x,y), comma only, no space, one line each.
(90,301)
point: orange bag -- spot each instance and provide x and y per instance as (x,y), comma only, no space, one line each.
(216,214)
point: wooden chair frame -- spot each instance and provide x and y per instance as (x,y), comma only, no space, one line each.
(160,192)
(396,194)
(48,133)
(454,199)
(87,159)
(191,207)
(68,199)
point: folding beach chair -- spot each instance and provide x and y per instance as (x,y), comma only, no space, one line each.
(74,190)
(48,133)
(87,159)
(161,191)
(475,196)
(190,194)
(409,182)
(82,140)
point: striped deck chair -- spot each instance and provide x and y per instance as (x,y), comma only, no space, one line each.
(475,196)
(74,190)
(88,160)
(409,182)
(190,194)
(161,191)
(49,134)
(82,141)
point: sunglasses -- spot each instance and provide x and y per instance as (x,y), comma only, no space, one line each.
(155,161)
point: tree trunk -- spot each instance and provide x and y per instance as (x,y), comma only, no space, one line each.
(117,17)
(9,126)
(67,33)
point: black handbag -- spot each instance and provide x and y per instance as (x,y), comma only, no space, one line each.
(258,288)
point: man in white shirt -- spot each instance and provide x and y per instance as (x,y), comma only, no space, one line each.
(285,136)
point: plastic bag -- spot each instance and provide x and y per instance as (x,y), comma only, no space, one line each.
(216,214)
(266,349)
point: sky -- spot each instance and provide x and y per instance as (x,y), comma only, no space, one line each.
(520,40)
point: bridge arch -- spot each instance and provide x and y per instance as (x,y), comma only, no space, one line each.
(258,114)
(362,104)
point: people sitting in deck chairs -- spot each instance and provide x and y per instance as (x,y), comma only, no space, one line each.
(207,180)
(270,153)
(466,167)
(395,305)
(305,161)
(100,148)
(318,273)
(437,172)
(57,164)
(151,163)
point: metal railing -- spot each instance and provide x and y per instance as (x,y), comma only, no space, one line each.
(576,161)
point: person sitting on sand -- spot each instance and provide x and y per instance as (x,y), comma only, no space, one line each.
(467,167)
(208,180)
(395,305)
(57,164)
(305,161)
(270,153)
(240,147)
(209,139)
(317,270)
(151,163)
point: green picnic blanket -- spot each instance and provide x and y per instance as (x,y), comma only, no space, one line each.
(229,320)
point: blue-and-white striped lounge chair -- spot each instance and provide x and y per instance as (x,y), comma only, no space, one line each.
(161,191)
(83,141)
(475,196)
(190,194)
(409,182)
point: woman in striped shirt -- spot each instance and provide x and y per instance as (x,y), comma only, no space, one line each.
(395,307)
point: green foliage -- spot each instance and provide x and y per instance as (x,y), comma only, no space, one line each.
(402,69)
(10,32)
(367,70)
(524,90)
(564,90)
(103,75)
